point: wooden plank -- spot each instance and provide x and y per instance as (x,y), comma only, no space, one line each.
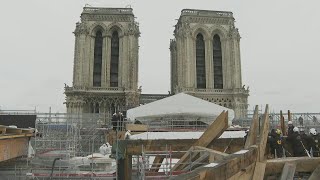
(288,171)
(13,131)
(2,129)
(303,164)
(137,127)
(13,148)
(28,131)
(315,174)
(252,135)
(214,155)
(156,163)
(259,171)
(212,132)
(282,125)
(264,135)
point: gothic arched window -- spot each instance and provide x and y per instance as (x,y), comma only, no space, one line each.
(97,64)
(200,62)
(114,68)
(217,63)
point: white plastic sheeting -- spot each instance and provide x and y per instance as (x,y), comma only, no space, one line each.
(184,135)
(179,104)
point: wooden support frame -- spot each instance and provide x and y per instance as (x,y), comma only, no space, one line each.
(214,155)
(156,163)
(259,171)
(303,164)
(288,171)
(264,135)
(252,135)
(315,174)
(226,168)
(13,131)
(214,131)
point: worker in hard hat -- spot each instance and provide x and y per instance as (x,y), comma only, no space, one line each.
(314,142)
(290,128)
(297,143)
(275,143)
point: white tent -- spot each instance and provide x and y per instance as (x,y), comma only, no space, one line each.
(181,103)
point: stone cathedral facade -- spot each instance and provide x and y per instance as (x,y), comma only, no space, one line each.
(205,61)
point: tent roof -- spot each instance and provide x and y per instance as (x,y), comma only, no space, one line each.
(179,104)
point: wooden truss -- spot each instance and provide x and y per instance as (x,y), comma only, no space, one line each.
(247,164)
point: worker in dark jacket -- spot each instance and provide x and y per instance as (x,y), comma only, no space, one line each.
(290,128)
(297,144)
(314,142)
(275,143)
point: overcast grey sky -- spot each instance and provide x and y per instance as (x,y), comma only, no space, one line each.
(279,49)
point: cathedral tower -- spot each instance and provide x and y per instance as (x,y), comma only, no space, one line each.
(105,72)
(205,59)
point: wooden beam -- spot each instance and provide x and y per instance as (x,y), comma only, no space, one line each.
(303,164)
(11,148)
(282,125)
(198,162)
(315,174)
(128,167)
(244,174)
(289,116)
(213,131)
(214,155)
(252,135)
(226,168)
(156,163)
(288,171)
(259,170)
(13,131)
(2,129)
(264,135)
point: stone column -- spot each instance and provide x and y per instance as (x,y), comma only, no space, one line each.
(104,63)
(89,60)
(121,74)
(76,62)
(125,60)
(238,63)
(209,64)
(227,72)
(81,59)
(108,60)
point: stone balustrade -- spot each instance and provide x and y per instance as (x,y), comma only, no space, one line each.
(194,12)
(98,10)
(216,91)
(102,89)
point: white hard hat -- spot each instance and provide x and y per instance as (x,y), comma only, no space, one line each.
(313,131)
(289,122)
(295,129)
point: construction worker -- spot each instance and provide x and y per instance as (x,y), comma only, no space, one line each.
(297,144)
(245,137)
(300,120)
(290,128)
(314,142)
(275,143)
